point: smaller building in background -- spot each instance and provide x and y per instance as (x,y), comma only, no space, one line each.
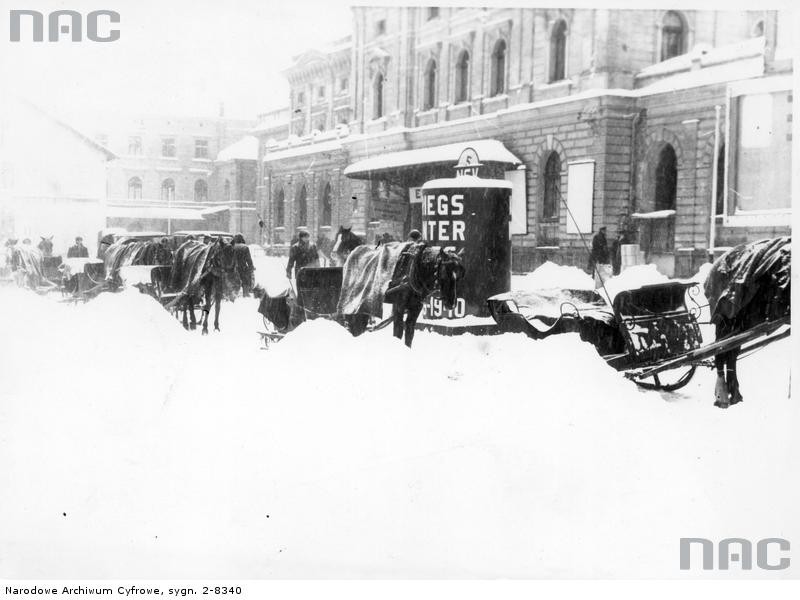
(52,178)
(165,178)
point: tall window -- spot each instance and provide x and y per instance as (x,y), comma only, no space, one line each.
(201,148)
(134,188)
(429,89)
(380,27)
(760,152)
(167,190)
(462,77)
(321,92)
(758,28)
(672,35)
(135,145)
(168,147)
(498,83)
(279,208)
(227,190)
(343,84)
(558,51)
(433,12)
(666,183)
(325,206)
(200,191)
(377,96)
(552,185)
(302,207)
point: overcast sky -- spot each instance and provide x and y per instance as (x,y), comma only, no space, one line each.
(173,56)
(184,57)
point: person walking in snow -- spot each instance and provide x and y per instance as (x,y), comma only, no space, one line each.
(302,254)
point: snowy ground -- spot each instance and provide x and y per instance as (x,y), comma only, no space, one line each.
(131,448)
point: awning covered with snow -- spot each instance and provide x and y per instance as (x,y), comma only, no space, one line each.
(654,215)
(154,212)
(488,151)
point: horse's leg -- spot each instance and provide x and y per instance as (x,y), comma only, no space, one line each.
(721,398)
(185,309)
(413,310)
(731,377)
(217,288)
(397,320)
(192,318)
(206,307)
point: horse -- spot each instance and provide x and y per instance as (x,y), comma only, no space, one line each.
(46,246)
(746,286)
(402,273)
(129,252)
(346,242)
(26,264)
(201,272)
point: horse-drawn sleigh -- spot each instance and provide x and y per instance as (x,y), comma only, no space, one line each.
(652,333)
(401,274)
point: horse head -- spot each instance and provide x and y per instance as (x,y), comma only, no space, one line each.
(449,272)
(46,245)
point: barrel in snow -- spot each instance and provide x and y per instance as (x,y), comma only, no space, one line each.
(472,214)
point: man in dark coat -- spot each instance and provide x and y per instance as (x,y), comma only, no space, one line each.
(302,254)
(244,263)
(599,255)
(78,250)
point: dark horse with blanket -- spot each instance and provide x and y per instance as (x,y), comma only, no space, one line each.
(402,273)
(747,286)
(201,272)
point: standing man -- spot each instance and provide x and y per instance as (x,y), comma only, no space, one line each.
(243,262)
(302,254)
(78,250)
(599,259)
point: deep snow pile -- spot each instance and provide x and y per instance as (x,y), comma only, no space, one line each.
(131,448)
(549,276)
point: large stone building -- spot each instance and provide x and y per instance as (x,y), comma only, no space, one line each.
(177,173)
(645,121)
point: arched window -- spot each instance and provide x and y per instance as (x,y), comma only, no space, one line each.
(429,89)
(666,182)
(227,191)
(558,51)
(167,190)
(552,185)
(462,77)
(279,208)
(302,208)
(673,35)
(721,180)
(326,209)
(498,73)
(377,96)
(134,188)
(200,191)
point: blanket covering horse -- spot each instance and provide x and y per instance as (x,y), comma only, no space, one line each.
(745,273)
(188,268)
(367,274)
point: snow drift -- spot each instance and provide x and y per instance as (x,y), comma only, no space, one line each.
(132,448)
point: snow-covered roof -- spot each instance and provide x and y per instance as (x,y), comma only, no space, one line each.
(488,151)
(707,56)
(244,149)
(467,181)
(304,149)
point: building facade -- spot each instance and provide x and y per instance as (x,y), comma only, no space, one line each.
(52,178)
(670,128)
(168,176)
